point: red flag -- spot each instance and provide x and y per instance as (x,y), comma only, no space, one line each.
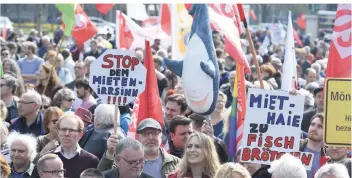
(223,19)
(149,101)
(4,31)
(126,37)
(340,54)
(84,28)
(165,18)
(296,37)
(254,17)
(301,22)
(241,11)
(104,8)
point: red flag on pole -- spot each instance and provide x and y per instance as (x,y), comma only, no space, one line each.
(84,28)
(149,101)
(340,54)
(165,18)
(241,11)
(254,17)
(104,8)
(301,22)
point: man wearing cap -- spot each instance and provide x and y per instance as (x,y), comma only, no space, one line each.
(158,163)
(319,108)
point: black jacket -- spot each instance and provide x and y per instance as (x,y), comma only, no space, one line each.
(114,173)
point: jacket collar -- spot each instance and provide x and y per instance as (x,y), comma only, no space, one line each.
(166,157)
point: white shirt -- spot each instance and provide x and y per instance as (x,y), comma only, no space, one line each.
(68,156)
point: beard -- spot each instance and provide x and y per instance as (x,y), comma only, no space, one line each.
(151,149)
(314,137)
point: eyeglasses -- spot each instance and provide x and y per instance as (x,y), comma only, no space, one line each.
(134,163)
(153,133)
(4,54)
(65,130)
(46,107)
(56,172)
(26,102)
(70,99)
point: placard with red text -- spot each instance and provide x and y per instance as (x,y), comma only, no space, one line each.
(273,127)
(117,77)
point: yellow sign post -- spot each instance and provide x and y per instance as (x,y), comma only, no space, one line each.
(337,124)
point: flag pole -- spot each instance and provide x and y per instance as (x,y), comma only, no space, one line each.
(254,56)
(116,120)
(52,68)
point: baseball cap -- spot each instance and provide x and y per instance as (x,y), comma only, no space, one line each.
(148,123)
(276,62)
(84,114)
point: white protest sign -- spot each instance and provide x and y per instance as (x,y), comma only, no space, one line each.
(273,127)
(277,34)
(117,77)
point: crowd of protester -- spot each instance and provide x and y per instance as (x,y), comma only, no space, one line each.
(54,125)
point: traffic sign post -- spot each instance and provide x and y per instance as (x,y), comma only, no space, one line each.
(337,124)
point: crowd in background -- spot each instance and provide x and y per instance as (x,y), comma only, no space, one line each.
(54,125)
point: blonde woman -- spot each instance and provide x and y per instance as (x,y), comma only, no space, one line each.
(232,170)
(200,159)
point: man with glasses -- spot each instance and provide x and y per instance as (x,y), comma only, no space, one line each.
(8,85)
(50,166)
(30,119)
(75,159)
(158,163)
(129,160)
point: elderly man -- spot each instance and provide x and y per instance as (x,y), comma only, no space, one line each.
(22,153)
(158,163)
(45,45)
(80,73)
(8,86)
(228,88)
(332,171)
(75,159)
(30,120)
(94,140)
(129,158)
(49,166)
(287,166)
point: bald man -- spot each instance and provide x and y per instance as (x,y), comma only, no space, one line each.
(30,118)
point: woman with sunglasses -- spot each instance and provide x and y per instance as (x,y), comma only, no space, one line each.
(52,81)
(51,117)
(200,159)
(64,99)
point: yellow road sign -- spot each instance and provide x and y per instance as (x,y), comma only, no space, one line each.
(337,124)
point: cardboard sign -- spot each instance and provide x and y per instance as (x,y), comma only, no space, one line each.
(337,124)
(117,77)
(273,127)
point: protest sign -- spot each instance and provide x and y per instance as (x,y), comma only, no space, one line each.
(277,34)
(337,124)
(273,127)
(117,77)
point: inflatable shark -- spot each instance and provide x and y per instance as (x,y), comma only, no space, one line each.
(199,69)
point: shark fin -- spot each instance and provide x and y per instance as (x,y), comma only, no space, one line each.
(175,66)
(208,68)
